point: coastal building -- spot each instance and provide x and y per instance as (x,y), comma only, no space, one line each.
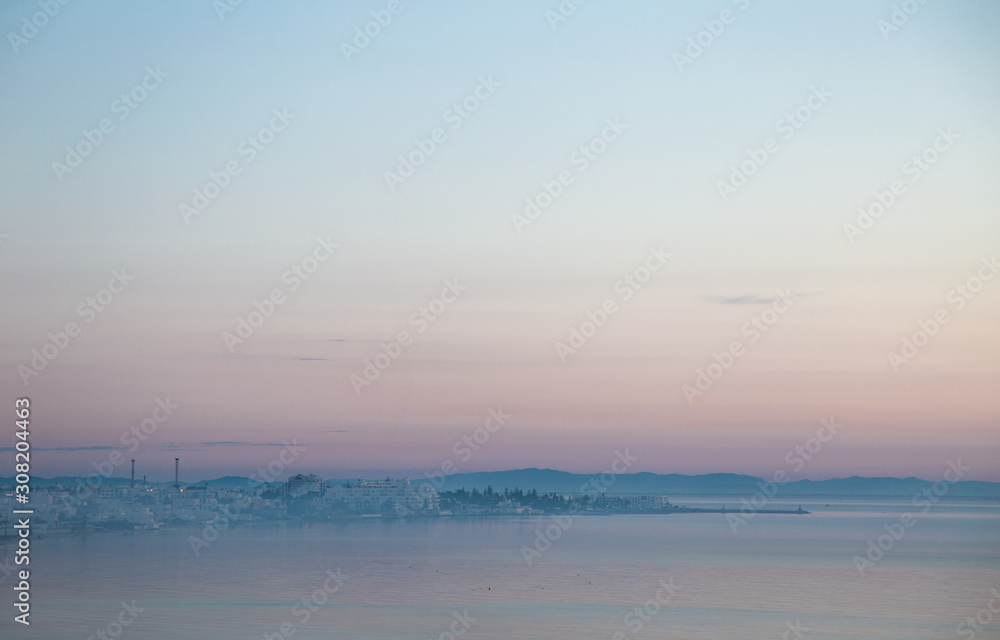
(632,502)
(299,485)
(374,496)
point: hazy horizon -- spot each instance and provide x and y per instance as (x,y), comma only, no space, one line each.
(165,476)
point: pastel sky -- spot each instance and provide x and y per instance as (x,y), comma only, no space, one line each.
(868,100)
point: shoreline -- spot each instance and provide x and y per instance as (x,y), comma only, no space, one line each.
(63,532)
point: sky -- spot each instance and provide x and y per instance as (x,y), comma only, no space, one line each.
(680,183)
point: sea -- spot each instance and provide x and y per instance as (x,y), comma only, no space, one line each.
(616,577)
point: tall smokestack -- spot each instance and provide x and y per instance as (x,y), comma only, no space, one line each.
(133,473)
(177,473)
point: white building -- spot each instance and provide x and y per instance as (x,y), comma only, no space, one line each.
(371,496)
(299,485)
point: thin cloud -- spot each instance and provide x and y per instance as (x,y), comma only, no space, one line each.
(222,443)
(752,298)
(744,299)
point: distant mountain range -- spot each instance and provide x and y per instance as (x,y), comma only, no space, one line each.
(551,481)
(728,484)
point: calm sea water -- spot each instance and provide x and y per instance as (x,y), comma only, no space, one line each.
(407,580)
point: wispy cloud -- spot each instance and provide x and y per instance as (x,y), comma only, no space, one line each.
(198,446)
(750,298)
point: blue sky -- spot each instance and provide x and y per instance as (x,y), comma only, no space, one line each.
(655,185)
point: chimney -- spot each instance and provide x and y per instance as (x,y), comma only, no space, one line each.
(133,473)
(177,473)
